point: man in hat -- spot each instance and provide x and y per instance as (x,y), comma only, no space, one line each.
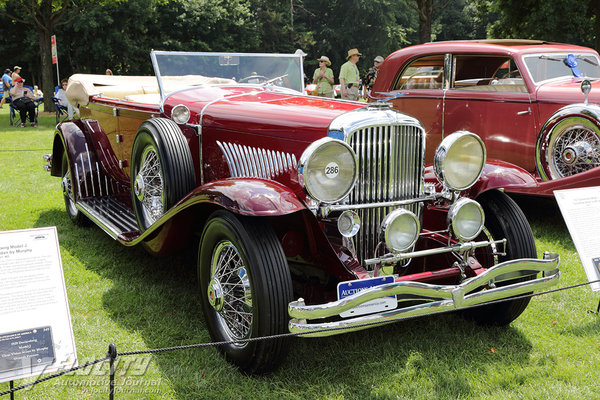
(22,99)
(349,76)
(371,75)
(323,78)
(6,84)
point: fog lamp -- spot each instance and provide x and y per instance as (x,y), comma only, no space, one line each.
(466,219)
(400,229)
(348,223)
(180,114)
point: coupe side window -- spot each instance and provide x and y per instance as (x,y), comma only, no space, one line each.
(487,74)
(423,73)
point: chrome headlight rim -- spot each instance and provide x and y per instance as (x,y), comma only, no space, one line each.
(307,156)
(386,230)
(180,114)
(454,220)
(440,160)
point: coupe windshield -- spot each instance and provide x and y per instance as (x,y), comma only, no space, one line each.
(562,65)
(180,70)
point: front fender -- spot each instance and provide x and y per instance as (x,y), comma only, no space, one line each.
(496,174)
(67,137)
(247,196)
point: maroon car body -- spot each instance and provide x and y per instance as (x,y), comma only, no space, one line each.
(293,197)
(522,97)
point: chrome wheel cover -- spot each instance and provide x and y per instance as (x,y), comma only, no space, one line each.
(148,186)
(574,148)
(229,292)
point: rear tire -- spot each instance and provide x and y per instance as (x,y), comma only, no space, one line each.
(245,286)
(504,219)
(73,212)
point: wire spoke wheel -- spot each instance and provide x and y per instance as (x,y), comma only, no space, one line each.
(574,147)
(149,186)
(246,286)
(230,293)
(162,170)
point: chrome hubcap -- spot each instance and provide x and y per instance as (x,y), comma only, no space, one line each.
(138,187)
(580,152)
(229,292)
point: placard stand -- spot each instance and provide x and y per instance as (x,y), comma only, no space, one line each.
(11,386)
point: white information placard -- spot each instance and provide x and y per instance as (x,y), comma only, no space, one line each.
(36,335)
(581,211)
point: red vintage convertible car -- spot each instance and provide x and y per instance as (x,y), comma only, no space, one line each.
(311,215)
(523,98)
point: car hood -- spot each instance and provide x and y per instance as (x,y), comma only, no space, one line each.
(567,91)
(261,110)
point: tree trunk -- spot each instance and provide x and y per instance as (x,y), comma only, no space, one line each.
(45,26)
(46,67)
(425,16)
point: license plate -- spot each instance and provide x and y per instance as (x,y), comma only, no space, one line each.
(349,288)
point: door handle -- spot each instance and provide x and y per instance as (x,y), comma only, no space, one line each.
(525,112)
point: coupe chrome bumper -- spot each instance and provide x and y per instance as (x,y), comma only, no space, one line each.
(439,298)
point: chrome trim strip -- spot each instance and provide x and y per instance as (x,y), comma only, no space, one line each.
(87,152)
(326,209)
(447,297)
(99,180)
(77,177)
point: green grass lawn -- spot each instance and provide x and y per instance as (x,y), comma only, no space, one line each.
(125,296)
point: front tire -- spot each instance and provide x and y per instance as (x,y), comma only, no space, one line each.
(246,286)
(504,219)
(162,171)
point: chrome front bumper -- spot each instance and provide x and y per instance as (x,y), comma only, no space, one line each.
(440,297)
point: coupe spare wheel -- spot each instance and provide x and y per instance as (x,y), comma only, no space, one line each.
(162,171)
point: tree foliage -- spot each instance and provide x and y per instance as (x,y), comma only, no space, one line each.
(119,34)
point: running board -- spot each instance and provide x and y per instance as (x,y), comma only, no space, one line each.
(112,216)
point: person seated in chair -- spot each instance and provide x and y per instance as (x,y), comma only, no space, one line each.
(22,99)
(61,95)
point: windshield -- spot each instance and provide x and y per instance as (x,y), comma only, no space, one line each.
(180,70)
(562,65)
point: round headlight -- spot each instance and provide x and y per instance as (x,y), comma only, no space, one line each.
(466,218)
(180,114)
(327,170)
(400,229)
(459,160)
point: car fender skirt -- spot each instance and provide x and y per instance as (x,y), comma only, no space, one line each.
(247,196)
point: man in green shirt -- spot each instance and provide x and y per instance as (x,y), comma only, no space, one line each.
(349,76)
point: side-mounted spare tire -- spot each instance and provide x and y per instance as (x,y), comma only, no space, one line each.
(162,170)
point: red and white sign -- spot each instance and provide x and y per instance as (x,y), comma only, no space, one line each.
(54,53)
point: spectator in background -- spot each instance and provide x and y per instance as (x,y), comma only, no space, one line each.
(349,76)
(323,78)
(61,95)
(108,72)
(16,73)
(22,99)
(37,92)
(6,84)
(371,76)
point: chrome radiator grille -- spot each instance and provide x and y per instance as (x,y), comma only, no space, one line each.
(390,167)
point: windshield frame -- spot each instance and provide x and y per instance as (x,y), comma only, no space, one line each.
(561,55)
(163,94)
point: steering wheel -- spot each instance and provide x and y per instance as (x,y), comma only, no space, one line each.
(259,79)
(512,74)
